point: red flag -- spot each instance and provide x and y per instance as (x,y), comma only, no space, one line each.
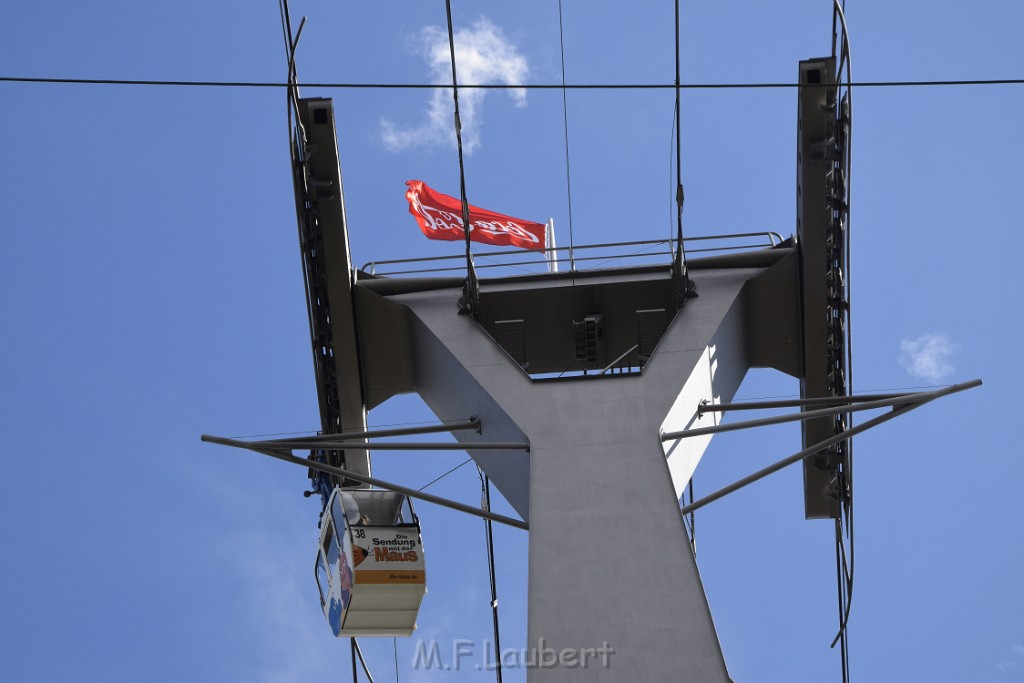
(440,218)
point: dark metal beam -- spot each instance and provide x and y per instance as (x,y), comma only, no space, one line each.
(373,481)
(817,143)
(831,441)
(293,445)
(706,407)
(899,399)
(462,425)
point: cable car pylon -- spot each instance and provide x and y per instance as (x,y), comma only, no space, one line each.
(590,460)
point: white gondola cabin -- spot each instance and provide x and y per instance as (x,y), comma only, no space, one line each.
(369,565)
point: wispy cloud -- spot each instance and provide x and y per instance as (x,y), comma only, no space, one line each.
(1012,664)
(294,638)
(483,55)
(928,357)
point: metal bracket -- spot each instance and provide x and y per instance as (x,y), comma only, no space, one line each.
(898,409)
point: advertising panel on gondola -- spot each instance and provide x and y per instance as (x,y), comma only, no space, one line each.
(387,555)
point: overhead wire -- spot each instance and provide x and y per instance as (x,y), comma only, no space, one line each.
(485,503)
(493,261)
(692,522)
(849,262)
(578,298)
(681,258)
(257,436)
(434,481)
(504,86)
(844,559)
(671,157)
(842,589)
(642,251)
(358,651)
(466,225)
(285,26)
(565,127)
(394,648)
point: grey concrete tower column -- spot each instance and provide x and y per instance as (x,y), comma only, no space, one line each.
(610,565)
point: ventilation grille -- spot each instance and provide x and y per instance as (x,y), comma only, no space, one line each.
(650,328)
(589,334)
(509,335)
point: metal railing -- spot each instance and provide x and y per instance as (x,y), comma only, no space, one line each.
(520,259)
(623,364)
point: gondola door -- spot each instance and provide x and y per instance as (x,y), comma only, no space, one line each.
(334,570)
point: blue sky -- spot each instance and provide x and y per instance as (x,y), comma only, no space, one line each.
(151,292)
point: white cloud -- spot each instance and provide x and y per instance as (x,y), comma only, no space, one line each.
(275,574)
(482,56)
(1010,665)
(928,357)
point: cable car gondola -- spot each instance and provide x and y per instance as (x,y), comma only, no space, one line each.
(369,565)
